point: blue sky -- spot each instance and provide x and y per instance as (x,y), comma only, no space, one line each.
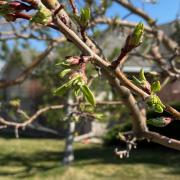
(164,11)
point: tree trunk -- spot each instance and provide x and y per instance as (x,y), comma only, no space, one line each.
(69,153)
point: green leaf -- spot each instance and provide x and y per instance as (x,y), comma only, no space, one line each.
(121,136)
(158,108)
(85,15)
(88,94)
(160,121)
(141,75)
(64,72)
(156,86)
(15,102)
(76,92)
(98,116)
(43,15)
(137,35)
(61,90)
(160,103)
(136,81)
(155,103)
(63,64)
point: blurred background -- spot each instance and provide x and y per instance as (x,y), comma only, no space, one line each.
(41,149)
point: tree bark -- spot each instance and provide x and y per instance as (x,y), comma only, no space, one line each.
(69,152)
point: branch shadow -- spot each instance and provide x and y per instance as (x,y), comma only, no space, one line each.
(44,161)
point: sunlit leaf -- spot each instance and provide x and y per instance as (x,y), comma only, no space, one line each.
(88,95)
(137,81)
(156,86)
(141,75)
(64,72)
(61,90)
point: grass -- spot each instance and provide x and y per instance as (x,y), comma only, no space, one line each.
(41,159)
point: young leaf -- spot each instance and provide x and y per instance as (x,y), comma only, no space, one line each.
(137,35)
(85,16)
(43,15)
(64,72)
(156,86)
(76,92)
(141,75)
(160,121)
(15,102)
(158,108)
(155,103)
(88,94)
(63,64)
(61,90)
(136,81)
(98,116)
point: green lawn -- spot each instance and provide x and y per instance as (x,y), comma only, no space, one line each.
(40,159)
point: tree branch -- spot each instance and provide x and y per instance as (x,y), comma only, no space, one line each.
(24,74)
(163,140)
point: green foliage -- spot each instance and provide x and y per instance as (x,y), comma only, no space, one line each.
(98,116)
(64,72)
(159,121)
(15,103)
(88,94)
(141,75)
(137,36)
(142,80)
(137,81)
(43,15)
(63,64)
(84,17)
(155,103)
(78,85)
(155,87)
(62,89)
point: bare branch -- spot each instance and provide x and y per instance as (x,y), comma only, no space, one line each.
(32,118)
(137,11)
(23,75)
(163,140)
